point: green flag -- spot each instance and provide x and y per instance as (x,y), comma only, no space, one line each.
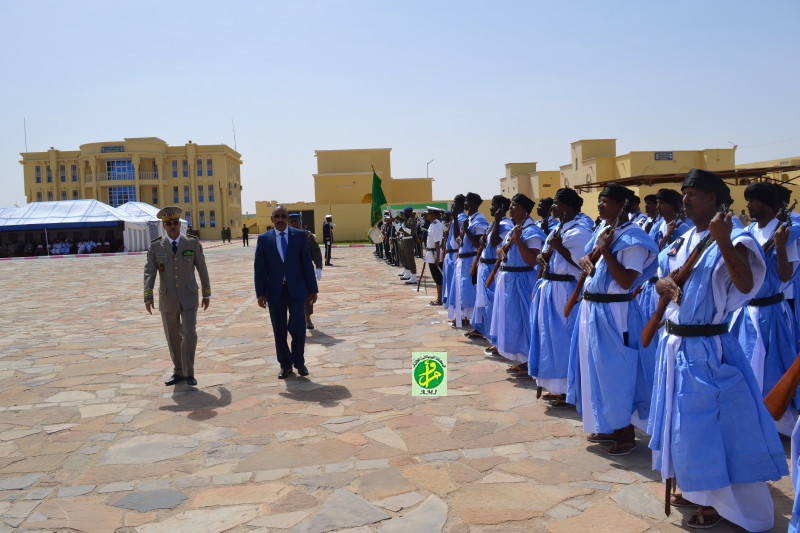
(378,199)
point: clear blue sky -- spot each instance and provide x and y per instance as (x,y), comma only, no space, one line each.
(471,85)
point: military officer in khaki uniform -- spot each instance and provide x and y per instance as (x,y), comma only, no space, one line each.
(175,258)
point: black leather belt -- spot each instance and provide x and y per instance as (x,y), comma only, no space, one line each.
(487,261)
(702,330)
(607,298)
(451,250)
(558,277)
(767,300)
(516,269)
(431,249)
(653,279)
(467,254)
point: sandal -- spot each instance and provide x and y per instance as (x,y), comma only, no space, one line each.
(560,404)
(514,369)
(622,448)
(473,334)
(704,518)
(491,350)
(601,437)
(435,302)
(677,500)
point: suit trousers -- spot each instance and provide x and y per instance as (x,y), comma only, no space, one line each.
(179,329)
(295,326)
(407,255)
(328,246)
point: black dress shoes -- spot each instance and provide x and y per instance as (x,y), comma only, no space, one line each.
(285,373)
(191,381)
(302,370)
(174,380)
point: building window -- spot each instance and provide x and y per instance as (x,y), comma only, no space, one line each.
(202,219)
(62,173)
(210,193)
(38,174)
(188,216)
(199,167)
(185,168)
(200,195)
(74,171)
(176,195)
(120,195)
(63,195)
(120,170)
(155,195)
(209,168)
(49,174)
(174,168)
(49,196)
(212,219)
(74,194)
(186,198)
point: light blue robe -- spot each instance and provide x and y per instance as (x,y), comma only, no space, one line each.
(512,299)
(462,300)
(709,426)
(770,340)
(548,360)
(484,297)
(448,267)
(620,374)
(648,299)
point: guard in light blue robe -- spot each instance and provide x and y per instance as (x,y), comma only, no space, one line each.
(451,243)
(765,327)
(512,298)
(462,300)
(606,345)
(484,297)
(548,360)
(585,221)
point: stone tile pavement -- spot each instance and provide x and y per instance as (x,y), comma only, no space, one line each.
(91,440)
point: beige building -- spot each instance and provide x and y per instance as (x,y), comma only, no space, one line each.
(204,180)
(523,178)
(343,188)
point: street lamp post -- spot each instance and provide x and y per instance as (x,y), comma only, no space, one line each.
(426,168)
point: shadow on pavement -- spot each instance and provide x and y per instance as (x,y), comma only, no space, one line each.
(305,390)
(200,402)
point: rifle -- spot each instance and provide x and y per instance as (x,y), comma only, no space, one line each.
(422,275)
(547,254)
(473,270)
(785,219)
(781,395)
(677,222)
(506,248)
(594,256)
(680,276)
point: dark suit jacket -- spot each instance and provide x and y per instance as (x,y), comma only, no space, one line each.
(327,231)
(297,269)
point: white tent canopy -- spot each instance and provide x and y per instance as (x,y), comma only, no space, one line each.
(76,215)
(146,213)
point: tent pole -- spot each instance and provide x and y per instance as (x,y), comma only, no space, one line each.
(46,240)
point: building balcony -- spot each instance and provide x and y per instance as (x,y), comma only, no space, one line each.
(124,176)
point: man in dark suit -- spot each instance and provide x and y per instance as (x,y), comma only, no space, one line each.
(327,237)
(284,277)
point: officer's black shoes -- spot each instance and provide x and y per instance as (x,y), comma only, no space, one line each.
(285,373)
(302,370)
(174,380)
(191,381)
(309,324)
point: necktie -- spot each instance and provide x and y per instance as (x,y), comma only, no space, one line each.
(284,244)
(174,247)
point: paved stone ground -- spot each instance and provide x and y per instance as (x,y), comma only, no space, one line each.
(91,440)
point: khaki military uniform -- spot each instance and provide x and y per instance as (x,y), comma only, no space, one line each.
(408,240)
(177,295)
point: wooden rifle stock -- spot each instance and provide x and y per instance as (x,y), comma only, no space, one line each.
(680,276)
(506,248)
(547,254)
(594,256)
(473,271)
(781,395)
(784,218)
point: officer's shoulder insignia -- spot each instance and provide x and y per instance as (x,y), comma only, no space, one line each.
(156,239)
(676,246)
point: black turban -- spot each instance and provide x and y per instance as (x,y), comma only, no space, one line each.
(617,192)
(764,192)
(707,181)
(636,199)
(650,198)
(502,201)
(569,197)
(526,203)
(548,202)
(475,198)
(670,196)
(784,193)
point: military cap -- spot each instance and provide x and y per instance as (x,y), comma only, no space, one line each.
(170,213)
